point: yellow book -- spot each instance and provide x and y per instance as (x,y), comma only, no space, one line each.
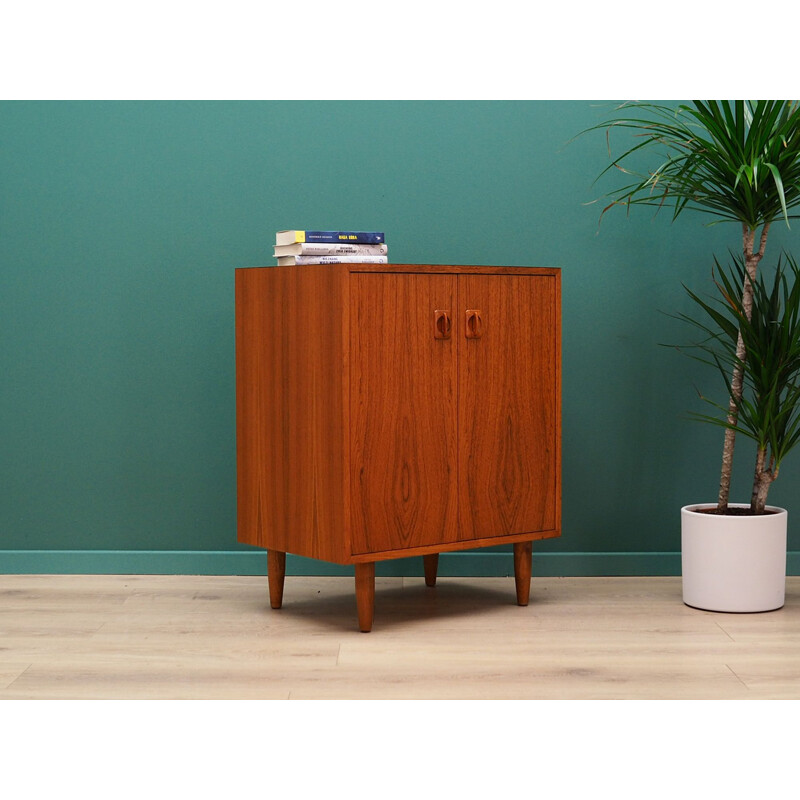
(346,237)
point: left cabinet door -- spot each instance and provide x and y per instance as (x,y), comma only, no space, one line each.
(403,407)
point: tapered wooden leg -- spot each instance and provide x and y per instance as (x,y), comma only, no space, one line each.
(276,572)
(523,552)
(365,595)
(431,563)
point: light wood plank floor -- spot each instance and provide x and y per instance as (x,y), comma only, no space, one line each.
(199,637)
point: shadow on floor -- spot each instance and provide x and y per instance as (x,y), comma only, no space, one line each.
(399,606)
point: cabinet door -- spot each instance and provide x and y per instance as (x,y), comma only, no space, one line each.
(508,404)
(403,411)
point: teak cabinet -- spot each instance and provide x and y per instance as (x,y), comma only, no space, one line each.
(386,411)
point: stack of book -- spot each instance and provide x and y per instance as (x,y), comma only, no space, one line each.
(330,247)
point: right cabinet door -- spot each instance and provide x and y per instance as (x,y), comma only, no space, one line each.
(508,413)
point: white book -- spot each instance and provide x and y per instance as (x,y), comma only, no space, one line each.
(287,261)
(330,249)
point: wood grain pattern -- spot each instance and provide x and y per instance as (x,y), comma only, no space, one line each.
(453,269)
(450,547)
(291,413)
(404,417)
(508,407)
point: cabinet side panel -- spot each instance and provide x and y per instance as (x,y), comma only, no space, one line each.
(509,407)
(290,410)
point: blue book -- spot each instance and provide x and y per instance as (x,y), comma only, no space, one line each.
(345,237)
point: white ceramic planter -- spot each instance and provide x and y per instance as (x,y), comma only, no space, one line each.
(733,563)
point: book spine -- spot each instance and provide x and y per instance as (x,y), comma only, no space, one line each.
(284,261)
(331,249)
(346,237)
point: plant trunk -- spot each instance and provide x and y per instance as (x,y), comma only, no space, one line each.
(751,260)
(762,480)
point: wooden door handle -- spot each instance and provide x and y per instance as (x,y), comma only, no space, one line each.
(441,324)
(474,324)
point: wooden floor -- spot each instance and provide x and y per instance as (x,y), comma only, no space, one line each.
(207,637)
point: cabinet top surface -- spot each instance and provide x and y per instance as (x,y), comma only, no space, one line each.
(445,268)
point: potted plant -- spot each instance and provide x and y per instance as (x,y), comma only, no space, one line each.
(737,561)
(735,161)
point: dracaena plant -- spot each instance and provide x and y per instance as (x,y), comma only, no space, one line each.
(736,161)
(768,406)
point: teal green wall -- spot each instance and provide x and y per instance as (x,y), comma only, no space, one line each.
(121,224)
